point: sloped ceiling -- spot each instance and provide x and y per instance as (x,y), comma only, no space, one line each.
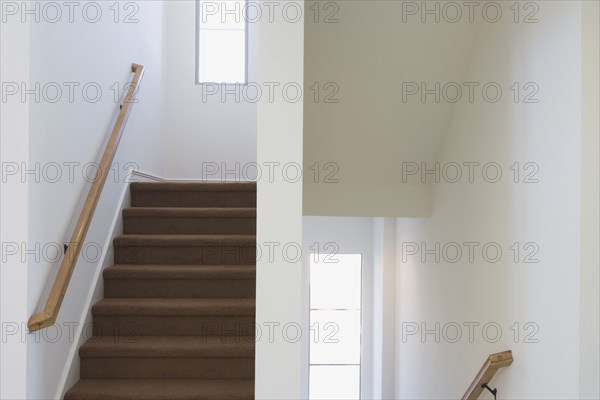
(368,54)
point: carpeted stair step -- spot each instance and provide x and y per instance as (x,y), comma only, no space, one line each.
(161,389)
(185,249)
(167,357)
(178,318)
(193,194)
(169,281)
(132,317)
(189,221)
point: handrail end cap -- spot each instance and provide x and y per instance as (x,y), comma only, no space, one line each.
(40,321)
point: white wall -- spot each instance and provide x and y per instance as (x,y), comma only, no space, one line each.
(203,131)
(546,213)
(98,54)
(384,309)
(14,199)
(279,218)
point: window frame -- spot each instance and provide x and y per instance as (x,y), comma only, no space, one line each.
(197,50)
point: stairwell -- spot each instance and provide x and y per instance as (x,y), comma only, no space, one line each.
(178,314)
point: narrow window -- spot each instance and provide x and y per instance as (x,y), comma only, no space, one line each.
(335,321)
(221,41)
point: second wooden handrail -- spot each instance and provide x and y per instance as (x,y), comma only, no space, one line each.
(48,316)
(487,372)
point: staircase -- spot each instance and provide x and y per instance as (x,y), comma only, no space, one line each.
(178,318)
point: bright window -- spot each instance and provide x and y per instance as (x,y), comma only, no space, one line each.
(335,320)
(221,41)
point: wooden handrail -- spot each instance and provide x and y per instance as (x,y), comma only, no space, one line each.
(61,283)
(487,372)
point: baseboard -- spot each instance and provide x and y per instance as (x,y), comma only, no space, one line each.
(140,176)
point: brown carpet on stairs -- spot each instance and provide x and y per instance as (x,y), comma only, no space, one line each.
(178,314)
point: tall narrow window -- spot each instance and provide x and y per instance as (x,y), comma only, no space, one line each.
(335,321)
(221,41)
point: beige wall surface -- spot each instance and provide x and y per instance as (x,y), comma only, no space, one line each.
(361,60)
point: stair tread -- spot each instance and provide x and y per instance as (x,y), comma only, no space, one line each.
(194,186)
(167,346)
(159,271)
(198,212)
(175,306)
(160,389)
(181,240)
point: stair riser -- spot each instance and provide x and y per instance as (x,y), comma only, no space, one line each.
(166,368)
(178,288)
(241,328)
(192,199)
(189,226)
(216,254)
